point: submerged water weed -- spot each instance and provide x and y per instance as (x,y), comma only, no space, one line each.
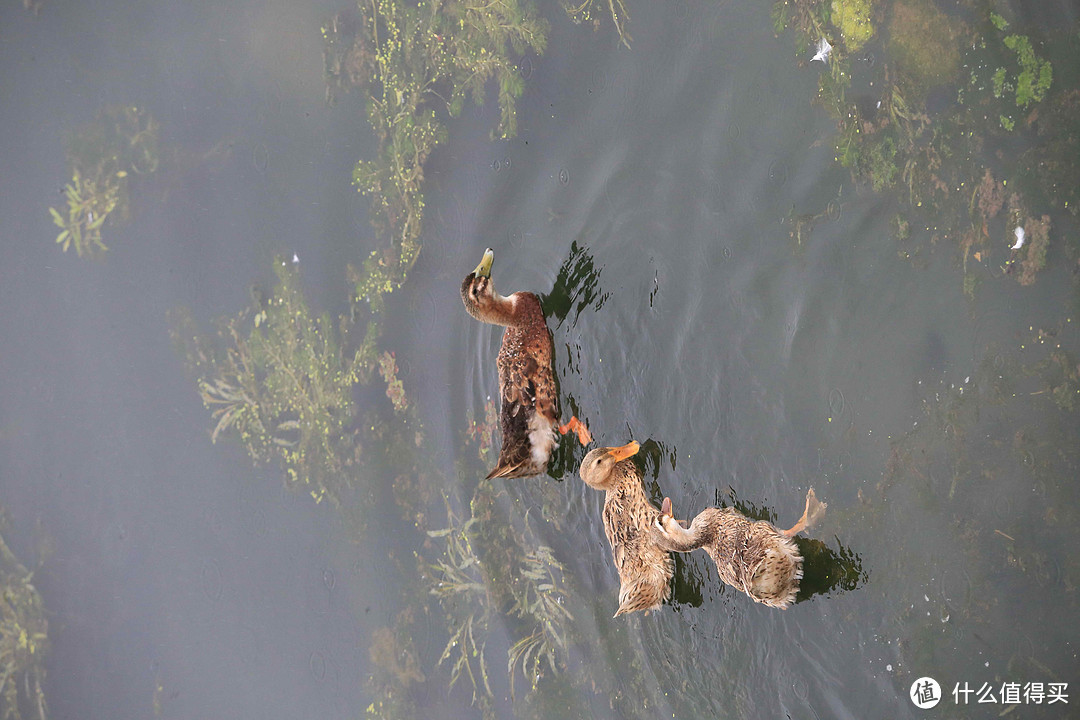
(413,61)
(120,140)
(586,13)
(1048,168)
(996,495)
(490,569)
(283,385)
(484,432)
(348,57)
(457,579)
(539,599)
(394,389)
(1058,370)
(396,668)
(925,42)
(1066,392)
(889,138)
(24,641)
(811,21)
(967,476)
(1037,232)
(88,207)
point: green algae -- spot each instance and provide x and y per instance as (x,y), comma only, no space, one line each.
(854,20)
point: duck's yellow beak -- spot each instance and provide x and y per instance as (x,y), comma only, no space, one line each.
(484,268)
(628,450)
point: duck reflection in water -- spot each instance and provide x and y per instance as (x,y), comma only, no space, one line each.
(645,569)
(755,557)
(529,409)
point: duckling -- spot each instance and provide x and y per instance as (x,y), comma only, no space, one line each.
(645,570)
(530,411)
(752,556)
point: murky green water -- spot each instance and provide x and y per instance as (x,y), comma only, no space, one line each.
(719,287)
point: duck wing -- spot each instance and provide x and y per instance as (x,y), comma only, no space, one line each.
(529,409)
(644,569)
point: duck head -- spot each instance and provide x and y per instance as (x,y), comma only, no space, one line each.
(478,291)
(598,467)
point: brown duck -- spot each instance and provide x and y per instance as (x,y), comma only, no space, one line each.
(645,569)
(752,556)
(529,414)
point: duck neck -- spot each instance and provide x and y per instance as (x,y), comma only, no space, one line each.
(701,532)
(504,310)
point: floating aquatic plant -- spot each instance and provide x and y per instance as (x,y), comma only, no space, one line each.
(1035,75)
(1016,76)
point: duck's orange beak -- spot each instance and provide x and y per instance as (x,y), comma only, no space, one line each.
(665,507)
(628,450)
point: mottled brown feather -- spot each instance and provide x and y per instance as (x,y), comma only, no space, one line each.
(753,557)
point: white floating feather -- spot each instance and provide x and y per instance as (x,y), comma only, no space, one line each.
(1019,239)
(823,50)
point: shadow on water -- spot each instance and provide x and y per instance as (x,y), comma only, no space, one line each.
(827,571)
(689,578)
(577,287)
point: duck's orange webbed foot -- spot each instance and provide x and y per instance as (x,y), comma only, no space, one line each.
(582,432)
(815,510)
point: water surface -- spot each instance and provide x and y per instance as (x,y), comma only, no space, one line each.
(649,197)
